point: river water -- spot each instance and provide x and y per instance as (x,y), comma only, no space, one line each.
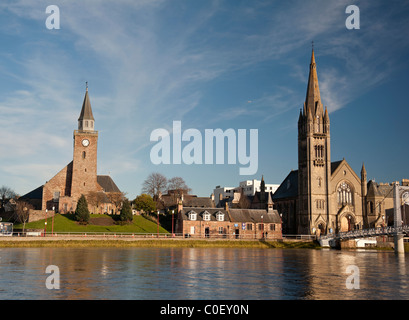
(201,273)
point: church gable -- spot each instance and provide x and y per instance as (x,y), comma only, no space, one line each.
(56,187)
(343,172)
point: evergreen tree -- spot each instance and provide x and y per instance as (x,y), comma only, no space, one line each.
(82,212)
(126,211)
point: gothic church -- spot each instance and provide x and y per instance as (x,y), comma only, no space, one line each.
(321,196)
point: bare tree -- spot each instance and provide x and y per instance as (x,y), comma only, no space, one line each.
(7,193)
(154,185)
(117,199)
(95,199)
(178,187)
(177,183)
(22,212)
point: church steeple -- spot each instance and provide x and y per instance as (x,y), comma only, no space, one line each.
(313,97)
(86,119)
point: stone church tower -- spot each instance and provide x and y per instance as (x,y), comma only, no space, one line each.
(84,166)
(79,177)
(314,156)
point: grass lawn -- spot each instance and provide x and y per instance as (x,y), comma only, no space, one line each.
(98,223)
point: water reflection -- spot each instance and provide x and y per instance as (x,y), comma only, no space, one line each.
(198,273)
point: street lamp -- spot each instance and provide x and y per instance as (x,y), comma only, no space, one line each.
(52,224)
(45,223)
(173,211)
(158,224)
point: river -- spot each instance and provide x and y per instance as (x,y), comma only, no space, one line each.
(201,273)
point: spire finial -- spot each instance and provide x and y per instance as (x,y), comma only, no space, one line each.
(86,85)
(312,44)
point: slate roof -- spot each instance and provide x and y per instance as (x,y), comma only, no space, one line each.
(254,215)
(34,194)
(234,215)
(107,184)
(289,187)
(200,212)
(376,190)
(86,111)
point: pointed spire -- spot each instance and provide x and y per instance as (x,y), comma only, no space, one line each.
(326,116)
(86,118)
(313,97)
(363,171)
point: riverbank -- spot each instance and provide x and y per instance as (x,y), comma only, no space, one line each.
(182,243)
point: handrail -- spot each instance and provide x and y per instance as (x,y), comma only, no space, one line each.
(363,233)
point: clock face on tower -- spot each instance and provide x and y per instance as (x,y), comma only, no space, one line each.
(85,142)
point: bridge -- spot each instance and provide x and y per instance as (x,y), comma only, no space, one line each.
(400,195)
(330,240)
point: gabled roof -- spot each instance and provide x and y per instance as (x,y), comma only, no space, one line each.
(289,187)
(34,194)
(201,211)
(107,184)
(254,215)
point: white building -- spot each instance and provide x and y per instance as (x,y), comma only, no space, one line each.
(249,187)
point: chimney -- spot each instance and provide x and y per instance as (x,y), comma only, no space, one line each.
(226,206)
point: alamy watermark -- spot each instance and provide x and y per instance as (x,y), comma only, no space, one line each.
(353,20)
(53,280)
(208,150)
(352,282)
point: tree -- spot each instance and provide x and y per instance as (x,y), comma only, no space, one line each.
(7,193)
(179,185)
(116,198)
(22,212)
(82,212)
(95,199)
(126,212)
(154,185)
(144,203)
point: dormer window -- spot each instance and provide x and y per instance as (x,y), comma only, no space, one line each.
(192,215)
(206,216)
(219,216)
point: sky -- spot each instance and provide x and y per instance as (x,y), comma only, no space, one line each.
(210,65)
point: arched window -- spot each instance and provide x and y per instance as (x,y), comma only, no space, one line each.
(344,194)
(84,155)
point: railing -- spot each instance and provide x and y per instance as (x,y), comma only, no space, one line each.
(364,233)
(129,235)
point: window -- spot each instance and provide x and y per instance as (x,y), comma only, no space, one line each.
(56,196)
(192,215)
(206,216)
(221,230)
(261,226)
(86,123)
(249,226)
(219,216)
(344,194)
(320,204)
(84,155)
(272,227)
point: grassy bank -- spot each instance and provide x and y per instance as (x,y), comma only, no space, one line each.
(98,223)
(170,243)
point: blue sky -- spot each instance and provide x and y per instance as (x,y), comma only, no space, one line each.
(210,64)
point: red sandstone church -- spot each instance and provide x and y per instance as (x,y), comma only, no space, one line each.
(62,192)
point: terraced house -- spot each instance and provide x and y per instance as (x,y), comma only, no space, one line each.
(229,223)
